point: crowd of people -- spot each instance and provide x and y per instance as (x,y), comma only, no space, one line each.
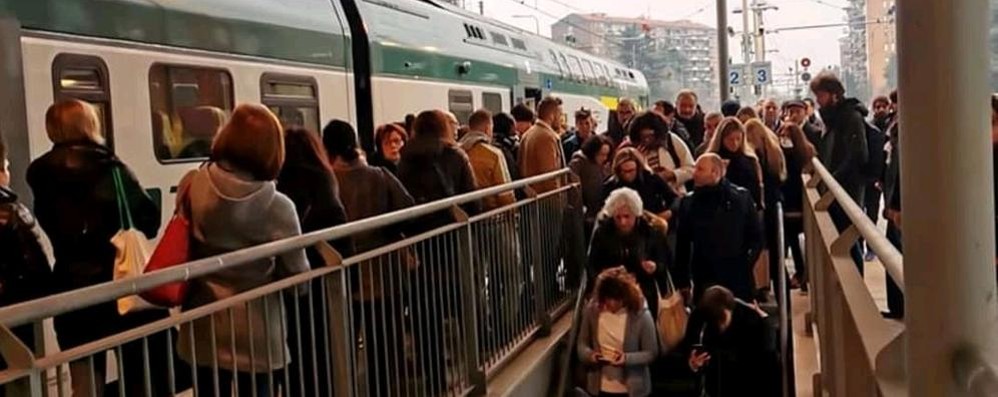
(675,200)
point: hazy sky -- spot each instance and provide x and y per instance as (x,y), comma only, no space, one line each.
(821,45)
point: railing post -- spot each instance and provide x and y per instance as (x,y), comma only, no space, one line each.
(535,258)
(469,269)
(342,341)
(19,357)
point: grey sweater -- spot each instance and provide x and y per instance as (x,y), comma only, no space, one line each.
(640,350)
(230,211)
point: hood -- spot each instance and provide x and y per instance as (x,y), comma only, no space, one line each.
(471,139)
(831,114)
(82,159)
(235,185)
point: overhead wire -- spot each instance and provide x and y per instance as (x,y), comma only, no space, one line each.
(575,26)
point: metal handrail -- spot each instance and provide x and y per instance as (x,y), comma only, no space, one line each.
(50,306)
(888,254)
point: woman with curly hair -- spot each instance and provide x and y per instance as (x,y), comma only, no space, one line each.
(617,340)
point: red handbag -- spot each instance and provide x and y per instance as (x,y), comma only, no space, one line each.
(173,250)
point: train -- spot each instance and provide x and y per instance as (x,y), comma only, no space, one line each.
(164,75)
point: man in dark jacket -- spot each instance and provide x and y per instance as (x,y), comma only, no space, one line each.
(584,125)
(719,235)
(688,114)
(892,210)
(843,149)
(732,345)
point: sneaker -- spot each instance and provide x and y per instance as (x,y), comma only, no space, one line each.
(870,256)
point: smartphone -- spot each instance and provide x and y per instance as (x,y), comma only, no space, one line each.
(698,348)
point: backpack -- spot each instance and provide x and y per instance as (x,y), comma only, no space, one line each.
(876,160)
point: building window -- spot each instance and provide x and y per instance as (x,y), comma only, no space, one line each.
(294,99)
(85,78)
(460,102)
(189,104)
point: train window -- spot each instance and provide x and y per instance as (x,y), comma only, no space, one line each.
(577,67)
(587,68)
(492,102)
(499,39)
(189,104)
(554,57)
(294,99)
(460,102)
(519,44)
(85,78)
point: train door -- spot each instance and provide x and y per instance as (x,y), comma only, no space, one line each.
(532,96)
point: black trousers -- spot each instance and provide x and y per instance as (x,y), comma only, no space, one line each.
(792,229)
(842,222)
(871,202)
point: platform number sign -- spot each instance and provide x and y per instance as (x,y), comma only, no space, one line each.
(762,73)
(736,75)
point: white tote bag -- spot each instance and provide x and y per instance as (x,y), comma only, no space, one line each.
(131,250)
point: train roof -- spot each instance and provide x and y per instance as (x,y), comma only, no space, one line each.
(419,38)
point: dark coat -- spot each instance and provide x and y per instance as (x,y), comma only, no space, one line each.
(378,160)
(609,248)
(432,170)
(843,147)
(76,206)
(892,174)
(656,195)
(718,239)
(813,133)
(317,201)
(24,269)
(591,177)
(793,188)
(745,172)
(368,191)
(695,126)
(742,358)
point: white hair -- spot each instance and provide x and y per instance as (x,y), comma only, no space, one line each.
(623,197)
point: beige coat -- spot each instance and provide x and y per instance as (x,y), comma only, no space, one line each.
(540,153)
(490,169)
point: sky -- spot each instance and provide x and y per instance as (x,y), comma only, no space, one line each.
(820,45)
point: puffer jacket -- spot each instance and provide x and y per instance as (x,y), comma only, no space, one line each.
(24,269)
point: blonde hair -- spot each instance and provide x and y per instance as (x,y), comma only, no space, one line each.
(252,141)
(728,126)
(763,140)
(72,120)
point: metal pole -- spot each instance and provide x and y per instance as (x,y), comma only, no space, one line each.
(722,49)
(746,51)
(947,188)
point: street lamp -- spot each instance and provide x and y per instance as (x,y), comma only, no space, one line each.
(537,22)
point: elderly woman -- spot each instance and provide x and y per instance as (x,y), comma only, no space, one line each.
(617,340)
(624,236)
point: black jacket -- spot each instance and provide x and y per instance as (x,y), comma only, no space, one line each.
(75,202)
(656,195)
(813,134)
(843,147)
(718,239)
(609,248)
(24,270)
(510,147)
(743,357)
(431,170)
(793,188)
(892,174)
(378,160)
(695,126)
(317,202)
(744,172)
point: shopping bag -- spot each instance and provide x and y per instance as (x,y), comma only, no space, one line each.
(672,317)
(173,249)
(131,249)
